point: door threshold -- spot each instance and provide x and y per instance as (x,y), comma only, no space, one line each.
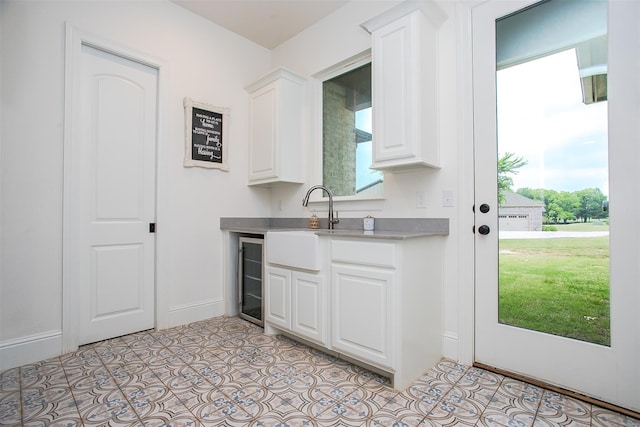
(545,385)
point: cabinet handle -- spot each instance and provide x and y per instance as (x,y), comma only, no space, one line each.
(239,276)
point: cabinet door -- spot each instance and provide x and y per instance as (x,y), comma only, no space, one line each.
(278,294)
(263,150)
(405,96)
(395,80)
(308,306)
(363,313)
(275,152)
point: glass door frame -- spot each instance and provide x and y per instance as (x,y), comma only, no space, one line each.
(610,374)
(241,278)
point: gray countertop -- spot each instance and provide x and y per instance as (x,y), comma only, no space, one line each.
(385,228)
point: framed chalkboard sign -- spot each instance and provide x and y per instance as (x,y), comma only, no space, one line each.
(205,135)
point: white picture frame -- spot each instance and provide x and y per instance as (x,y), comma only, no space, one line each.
(206,135)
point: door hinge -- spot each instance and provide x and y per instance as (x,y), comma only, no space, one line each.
(152,227)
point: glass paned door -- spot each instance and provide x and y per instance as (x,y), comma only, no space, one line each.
(553,223)
(551,112)
(251,283)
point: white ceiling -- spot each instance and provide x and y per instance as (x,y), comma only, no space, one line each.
(266,22)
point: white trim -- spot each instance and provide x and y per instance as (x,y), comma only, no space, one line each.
(359,203)
(429,8)
(466,254)
(163,250)
(450,346)
(74,39)
(349,203)
(188,313)
(342,67)
(315,85)
(69,298)
(29,349)
(230,273)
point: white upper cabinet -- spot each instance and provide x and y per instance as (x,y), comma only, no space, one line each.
(405,86)
(275,145)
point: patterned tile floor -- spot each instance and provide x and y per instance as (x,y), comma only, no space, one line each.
(226,372)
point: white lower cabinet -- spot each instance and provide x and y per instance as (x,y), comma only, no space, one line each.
(308,305)
(382,307)
(386,306)
(278,297)
(362,308)
(296,303)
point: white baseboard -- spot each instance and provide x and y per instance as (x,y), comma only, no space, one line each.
(188,313)
(450,345)
(34,348)
(30,349)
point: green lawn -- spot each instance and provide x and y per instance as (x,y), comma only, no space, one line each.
(583,226)
(559,286)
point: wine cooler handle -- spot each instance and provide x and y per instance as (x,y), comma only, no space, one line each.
(239,276)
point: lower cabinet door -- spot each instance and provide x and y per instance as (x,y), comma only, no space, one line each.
(308,309)
(363,313)
(278,297)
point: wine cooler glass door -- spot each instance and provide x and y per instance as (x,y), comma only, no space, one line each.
(250,279)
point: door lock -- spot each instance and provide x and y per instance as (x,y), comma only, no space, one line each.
(484,230)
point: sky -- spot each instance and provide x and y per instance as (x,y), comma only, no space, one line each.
(542,119)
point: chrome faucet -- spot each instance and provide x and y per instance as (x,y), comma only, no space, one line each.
(332,220)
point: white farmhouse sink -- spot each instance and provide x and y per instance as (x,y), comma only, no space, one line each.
(298,249)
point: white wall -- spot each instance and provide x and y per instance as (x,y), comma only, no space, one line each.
(337,38)
(211,65)
(206,63)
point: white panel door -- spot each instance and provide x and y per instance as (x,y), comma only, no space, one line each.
(308,305)
(609,372)
(362,313)
(277,296)
(113,195)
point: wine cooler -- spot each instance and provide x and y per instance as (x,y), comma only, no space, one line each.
(250,279)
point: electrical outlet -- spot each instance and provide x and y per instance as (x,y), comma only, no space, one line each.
(421,199)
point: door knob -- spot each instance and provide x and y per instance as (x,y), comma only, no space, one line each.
(484,230)
(484,208)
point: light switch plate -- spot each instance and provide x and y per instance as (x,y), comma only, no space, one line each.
(448,199)
(421,199)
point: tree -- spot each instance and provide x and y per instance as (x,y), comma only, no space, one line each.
(530,193)
(569,204)
(590,204)
(507,166)
(552,210)
(566,206)
(551,213)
